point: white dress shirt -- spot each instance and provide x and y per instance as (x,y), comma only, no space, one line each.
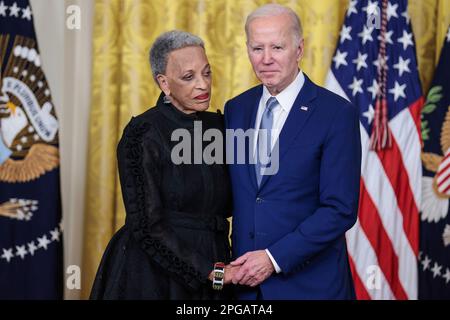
(286,99)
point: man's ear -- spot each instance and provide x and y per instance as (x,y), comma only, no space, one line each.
(300,48)
(247,46)
(163,84)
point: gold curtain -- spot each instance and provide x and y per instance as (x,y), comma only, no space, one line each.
(122,85)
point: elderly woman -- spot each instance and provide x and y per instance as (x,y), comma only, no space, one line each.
(176,229)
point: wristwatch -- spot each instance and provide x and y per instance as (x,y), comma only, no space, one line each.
(219,273)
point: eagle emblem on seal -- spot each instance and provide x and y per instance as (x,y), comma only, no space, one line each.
(436,190)
(28,122)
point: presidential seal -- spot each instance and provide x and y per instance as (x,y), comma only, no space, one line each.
(28,122)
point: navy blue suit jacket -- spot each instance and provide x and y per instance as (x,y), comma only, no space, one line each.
(302,212)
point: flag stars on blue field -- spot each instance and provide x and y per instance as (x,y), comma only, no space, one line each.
(373,88)
(398,91)
(43,242)
(26,13)
(391,11)
(3,9)
(436,270)
(406,39)
(21,251)
(369,114)
(356,86)
(55,234)
(352,8)
(406,16)
(339,59)
(360,39)
(426,263)
(7,254)
(402,66)
(446,276)
(32,248)
(14,11)
(371,8)
(345,33)
(383,62)
(387,37)
(360,61)
(366,34)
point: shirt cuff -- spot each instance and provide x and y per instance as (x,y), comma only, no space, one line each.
(275,264)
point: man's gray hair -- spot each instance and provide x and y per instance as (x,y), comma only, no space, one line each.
(168,42)
(274,9)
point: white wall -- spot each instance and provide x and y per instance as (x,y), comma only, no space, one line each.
(66,58)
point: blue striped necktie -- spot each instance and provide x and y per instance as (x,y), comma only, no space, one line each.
(264,138)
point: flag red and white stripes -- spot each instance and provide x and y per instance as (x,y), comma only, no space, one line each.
(385,237)
(383,245)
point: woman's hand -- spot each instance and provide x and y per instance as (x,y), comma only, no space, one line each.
(211,276)
(228,273)
(230,270)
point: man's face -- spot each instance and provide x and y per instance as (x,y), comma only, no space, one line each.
(273,51)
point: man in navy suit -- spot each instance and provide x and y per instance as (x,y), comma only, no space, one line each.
(289,223)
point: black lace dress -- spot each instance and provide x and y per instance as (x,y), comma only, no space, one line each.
(176,225)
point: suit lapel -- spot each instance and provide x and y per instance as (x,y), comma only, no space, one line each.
(299,114)
(250,121)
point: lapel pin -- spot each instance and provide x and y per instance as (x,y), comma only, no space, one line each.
(304,108)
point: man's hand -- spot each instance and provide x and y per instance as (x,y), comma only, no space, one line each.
(255,267)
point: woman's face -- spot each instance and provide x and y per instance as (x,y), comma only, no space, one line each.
(187,80)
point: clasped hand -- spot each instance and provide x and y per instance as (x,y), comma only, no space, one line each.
(250,269)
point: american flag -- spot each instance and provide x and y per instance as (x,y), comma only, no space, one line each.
(384,243)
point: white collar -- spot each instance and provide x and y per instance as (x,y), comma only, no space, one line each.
(286,98)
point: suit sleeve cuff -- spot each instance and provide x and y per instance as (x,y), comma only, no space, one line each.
(275,264)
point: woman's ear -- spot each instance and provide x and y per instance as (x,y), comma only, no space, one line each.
(163,84)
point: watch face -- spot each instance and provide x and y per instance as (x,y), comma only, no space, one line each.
(218,273)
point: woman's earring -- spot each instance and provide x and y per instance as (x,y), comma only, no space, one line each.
(166,100)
